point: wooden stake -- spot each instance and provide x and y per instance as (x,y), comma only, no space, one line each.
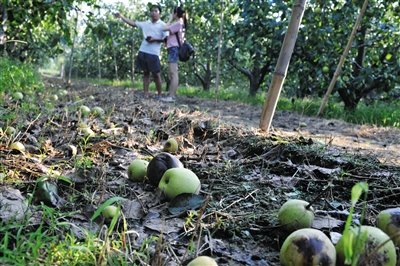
(282,65)
(342,58)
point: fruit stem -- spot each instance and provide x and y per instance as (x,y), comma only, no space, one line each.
(317,197)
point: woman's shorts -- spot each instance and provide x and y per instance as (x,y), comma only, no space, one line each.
(148,63)
(173,54)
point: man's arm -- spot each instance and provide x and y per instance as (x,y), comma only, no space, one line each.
(124,19)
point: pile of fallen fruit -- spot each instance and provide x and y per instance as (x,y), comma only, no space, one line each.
(227,192)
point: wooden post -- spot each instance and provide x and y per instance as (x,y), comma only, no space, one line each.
(342,58)
(282,65)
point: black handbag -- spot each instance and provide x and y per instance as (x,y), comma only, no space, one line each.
(186,50)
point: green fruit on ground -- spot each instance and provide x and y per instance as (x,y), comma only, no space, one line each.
(171,145)
(98,111)
(369,238)
(309,247)
(54,97)
(110,212)
(18,146)
(325,69)
(203,261)
(137,170)
(176,181)
(159,164)
(388,57)
(63,92)
(295,214)
(17,96)
(84,110)
(87,132)
(389,222)
(10,131)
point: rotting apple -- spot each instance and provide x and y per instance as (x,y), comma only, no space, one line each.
(368,239)
(159,164)
(176,181)
(203,261)
(171,145)
(307,246)
(137,170)
(389,222)
(295,214)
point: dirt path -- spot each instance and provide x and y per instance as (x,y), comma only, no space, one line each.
(382,142)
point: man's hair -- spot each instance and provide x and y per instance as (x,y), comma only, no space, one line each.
(151,6)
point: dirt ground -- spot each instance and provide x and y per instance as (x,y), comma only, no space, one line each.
(245,174)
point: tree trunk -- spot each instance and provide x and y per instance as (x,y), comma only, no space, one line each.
(98,59)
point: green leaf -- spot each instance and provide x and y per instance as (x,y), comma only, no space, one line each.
(356,192)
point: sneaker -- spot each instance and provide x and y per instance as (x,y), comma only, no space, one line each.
(168,99)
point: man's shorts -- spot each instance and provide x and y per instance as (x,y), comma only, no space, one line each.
(148,63)
(173,54)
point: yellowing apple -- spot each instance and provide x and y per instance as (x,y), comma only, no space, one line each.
(171,145)
(17,146)
(84,110)
(137,170)
(176,181)
(389,222)
(110,212)
(203,261)
(307,247)
(159,164)
(295,214)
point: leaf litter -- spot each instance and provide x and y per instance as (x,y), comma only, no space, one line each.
(246,175)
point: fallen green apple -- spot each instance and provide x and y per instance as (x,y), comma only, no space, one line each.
(98,111)
(176,181)
(368,238)
(85,111)
(296,214)
(137,170)
(171,145)
(18,146)
(110,212)
(159,164)
(87,132)
(389,222)
(203,261)
(325,69)
(307,246)
(17,96)
(10,131)
(54,97)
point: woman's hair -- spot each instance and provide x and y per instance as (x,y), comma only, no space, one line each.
(181,14)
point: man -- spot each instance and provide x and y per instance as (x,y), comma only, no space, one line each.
(148,59)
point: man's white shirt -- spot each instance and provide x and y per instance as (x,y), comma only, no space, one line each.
(156,31)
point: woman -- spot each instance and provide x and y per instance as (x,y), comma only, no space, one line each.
(175,26)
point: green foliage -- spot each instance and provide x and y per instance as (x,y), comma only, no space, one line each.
(348,236)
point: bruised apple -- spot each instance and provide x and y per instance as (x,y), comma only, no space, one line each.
(389,222)
(176,181)
(307,246)
(374,246)
(159,164)
(171,145)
